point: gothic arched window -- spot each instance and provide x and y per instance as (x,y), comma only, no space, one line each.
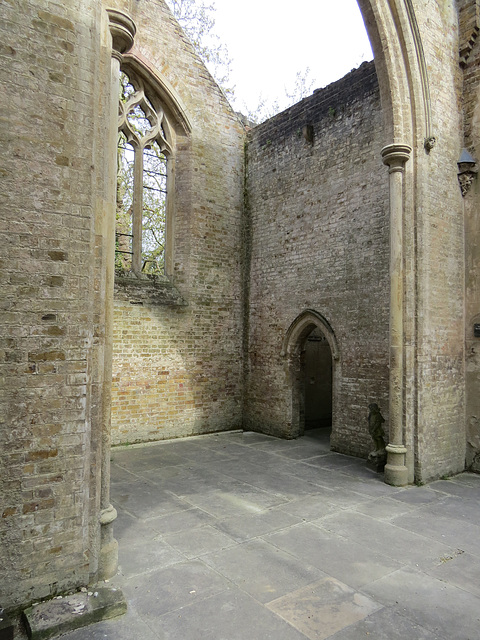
(144,149)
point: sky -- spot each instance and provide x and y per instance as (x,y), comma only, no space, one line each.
(271,40)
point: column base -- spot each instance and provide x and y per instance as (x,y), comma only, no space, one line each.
(108,560)
(396,472)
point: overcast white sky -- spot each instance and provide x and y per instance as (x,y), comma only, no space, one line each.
(270,40)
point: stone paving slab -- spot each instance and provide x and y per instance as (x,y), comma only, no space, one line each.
(307,452)
(230,615)
(275,444)
(164,590)
(188,520)
(330,461)
(345,560)
(386,624)
(242,528)
(246,501)
(130,530)
(418,495)
(200,541)
(119,474)
(453,488)
(462,570)
(145,500)
(138,558)
(262,570)
(240,536)
(460,509)
(393,542)
(309,508)
(209,456)
(344,498)
(384,508)
(189,480)
(323,608)
(442,529)
(446,610)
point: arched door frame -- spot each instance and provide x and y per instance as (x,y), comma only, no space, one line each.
(292,349)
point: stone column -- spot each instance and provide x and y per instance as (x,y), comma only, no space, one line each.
(396,472)
(122,30)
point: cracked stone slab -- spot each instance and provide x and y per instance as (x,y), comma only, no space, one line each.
(319,610)
(62,614)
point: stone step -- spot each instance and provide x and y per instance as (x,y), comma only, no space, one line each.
(53,617)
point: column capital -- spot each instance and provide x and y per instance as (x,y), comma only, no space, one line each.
(395,156)
(123,30)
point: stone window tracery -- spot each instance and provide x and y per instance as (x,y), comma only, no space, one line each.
(144,153)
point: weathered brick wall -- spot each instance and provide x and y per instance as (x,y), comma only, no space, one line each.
(469,45)
(317,237)
(48,76)
(439,248)
(320,240)
(178,369)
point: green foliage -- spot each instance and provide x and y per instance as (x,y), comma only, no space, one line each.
(153,192)
(154,209)
(123,229)
(196,19)
(301,88)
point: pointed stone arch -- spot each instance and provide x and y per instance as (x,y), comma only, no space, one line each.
(402,71)
(293,349)
(301,327)
(160,87)
(409,138)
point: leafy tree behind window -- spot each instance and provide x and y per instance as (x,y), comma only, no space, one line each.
(141,182)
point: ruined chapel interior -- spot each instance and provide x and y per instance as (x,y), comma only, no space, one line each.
(309,266)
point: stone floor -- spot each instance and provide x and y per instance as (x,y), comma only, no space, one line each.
(241,536)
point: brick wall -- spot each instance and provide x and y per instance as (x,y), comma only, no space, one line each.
(314,235)
(48,72)
(320,238)
(178,367)
(470,47)
(439,247)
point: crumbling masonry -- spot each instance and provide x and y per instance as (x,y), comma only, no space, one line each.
(346,227)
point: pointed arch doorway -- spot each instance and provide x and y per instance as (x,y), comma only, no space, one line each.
(311,350)
(316,361)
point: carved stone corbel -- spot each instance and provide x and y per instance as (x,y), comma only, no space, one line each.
(123,32)
(466,180)
(467,171)
(429,143)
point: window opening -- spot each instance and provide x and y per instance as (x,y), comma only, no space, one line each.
(123,231)
(142,193)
